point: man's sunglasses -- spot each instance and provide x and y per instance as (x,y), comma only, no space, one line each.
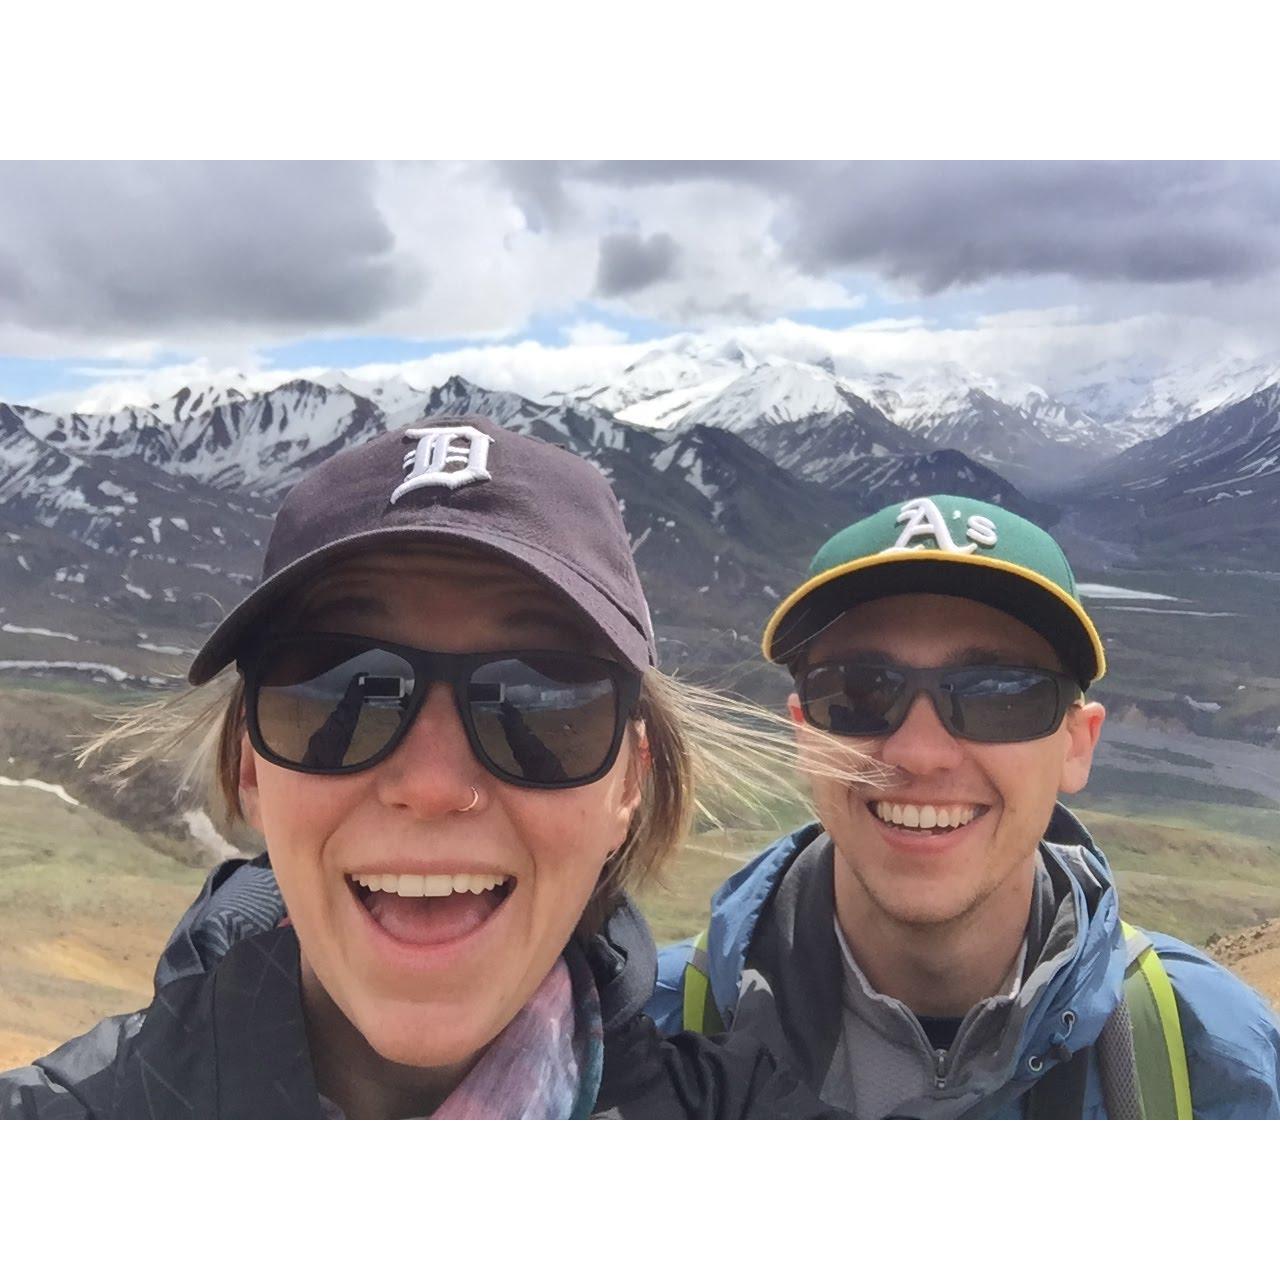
(331,703)
(983,703)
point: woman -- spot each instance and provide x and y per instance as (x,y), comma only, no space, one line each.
(447,727)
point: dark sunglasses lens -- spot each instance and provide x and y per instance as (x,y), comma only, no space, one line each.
(1002,704)
(853,699)
(547,719)
(331,704)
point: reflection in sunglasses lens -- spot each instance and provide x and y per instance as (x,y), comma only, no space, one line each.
(853,699)
(331,704)
(1006,704)
(549,719)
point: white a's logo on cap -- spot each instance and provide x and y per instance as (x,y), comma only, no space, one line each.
(444,458)
(923,520)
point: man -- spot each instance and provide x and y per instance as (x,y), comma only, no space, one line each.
(946,940)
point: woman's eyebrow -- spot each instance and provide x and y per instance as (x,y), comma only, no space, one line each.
(346,604)
(537,616)
(373,606)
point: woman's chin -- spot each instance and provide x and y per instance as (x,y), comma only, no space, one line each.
(427,1038)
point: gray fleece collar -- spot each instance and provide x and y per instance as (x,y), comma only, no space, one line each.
(792,988)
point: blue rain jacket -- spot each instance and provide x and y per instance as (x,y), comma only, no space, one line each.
(1232,1039)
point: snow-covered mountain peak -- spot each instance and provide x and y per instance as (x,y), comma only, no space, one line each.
(458,395)
(391,394)
(668,379)
(711,348)
(1143,397)
(778,391)
(1184,394)
(188,402)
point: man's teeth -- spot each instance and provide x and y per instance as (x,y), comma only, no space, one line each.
(429,886)
(925,816)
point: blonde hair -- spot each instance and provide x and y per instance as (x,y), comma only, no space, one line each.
(704,755)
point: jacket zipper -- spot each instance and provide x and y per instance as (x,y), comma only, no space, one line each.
(940,1057)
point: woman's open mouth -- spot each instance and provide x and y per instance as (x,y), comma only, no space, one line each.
(430,910)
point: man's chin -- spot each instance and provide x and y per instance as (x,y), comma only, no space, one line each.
(923,906)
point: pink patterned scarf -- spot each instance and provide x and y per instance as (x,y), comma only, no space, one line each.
(545,1064)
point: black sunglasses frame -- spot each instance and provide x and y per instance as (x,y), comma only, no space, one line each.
(933,681)
(453,669)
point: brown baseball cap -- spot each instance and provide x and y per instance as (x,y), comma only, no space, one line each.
(463,480)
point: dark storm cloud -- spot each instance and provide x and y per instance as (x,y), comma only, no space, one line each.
(943,224)
(129,248)
(628,173)
(937,224)
(629,262)
(538,188)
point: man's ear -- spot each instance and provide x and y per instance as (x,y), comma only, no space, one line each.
(1083,724)
(805,735)
(250,802)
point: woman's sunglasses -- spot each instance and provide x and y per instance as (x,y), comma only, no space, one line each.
(331,703)
(984,704)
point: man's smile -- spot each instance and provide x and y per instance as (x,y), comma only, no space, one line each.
(925,817)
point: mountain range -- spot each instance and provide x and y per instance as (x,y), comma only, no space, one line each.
(124,535)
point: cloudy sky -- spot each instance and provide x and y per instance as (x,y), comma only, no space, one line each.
(122,281)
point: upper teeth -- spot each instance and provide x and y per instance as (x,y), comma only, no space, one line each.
(428,886)
(925,815)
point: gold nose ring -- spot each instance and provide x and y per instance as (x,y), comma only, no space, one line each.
(475,800)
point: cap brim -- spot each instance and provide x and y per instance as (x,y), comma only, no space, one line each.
(1024,594)
(590,604)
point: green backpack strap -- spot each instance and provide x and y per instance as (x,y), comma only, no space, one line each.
(1160,1056)
(700,1012)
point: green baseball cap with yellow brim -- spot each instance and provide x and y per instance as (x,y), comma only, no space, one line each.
(943,545)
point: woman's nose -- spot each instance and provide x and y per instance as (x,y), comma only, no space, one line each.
(433,769)
(921,744)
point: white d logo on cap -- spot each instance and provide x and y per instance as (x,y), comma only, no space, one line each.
(444,458)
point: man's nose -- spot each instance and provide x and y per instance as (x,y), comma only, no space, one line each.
(433,769)
(921,743)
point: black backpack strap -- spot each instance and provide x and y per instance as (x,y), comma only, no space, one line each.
(1142,1063)
(1118,1066)
(1059,1093)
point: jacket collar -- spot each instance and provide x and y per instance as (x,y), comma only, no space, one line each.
(1078,968)
(736,907)
(227,1045)
(624,961)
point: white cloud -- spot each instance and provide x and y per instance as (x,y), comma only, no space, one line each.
(120,387)
(449,250)
(731,266)
(527,367)
(487,272)
(591,333)
(1049,348)
(1033,318)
